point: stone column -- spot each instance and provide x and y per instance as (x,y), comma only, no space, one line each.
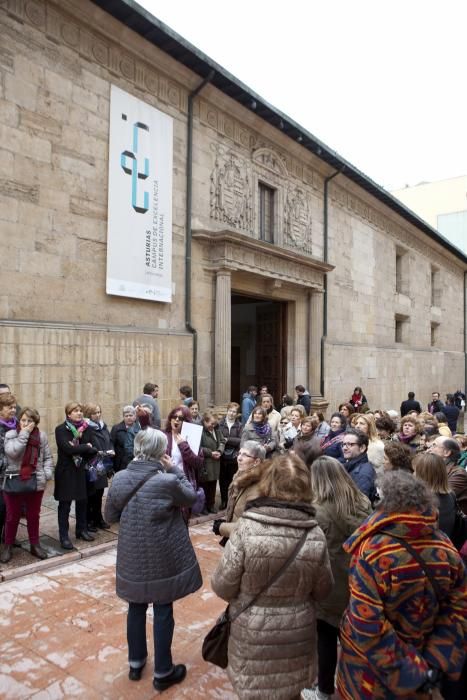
(222,343)
(315,327)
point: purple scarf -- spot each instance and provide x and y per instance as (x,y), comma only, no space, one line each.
(10,424)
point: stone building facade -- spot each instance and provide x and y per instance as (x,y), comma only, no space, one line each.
(286,287)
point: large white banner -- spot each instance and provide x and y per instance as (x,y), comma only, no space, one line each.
(139,237)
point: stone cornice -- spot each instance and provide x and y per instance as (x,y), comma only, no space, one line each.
(237,252)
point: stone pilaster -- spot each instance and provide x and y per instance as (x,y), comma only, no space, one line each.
(315,327)
(223,332)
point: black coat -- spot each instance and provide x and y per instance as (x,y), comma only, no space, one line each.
(118,439)
(100,439)
(410,405)
(232,439)
(70,480)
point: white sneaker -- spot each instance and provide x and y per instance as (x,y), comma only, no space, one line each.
(308,694)
(314,694)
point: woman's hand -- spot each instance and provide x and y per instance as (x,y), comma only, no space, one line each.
(167,462)
(216,454)
(178,438)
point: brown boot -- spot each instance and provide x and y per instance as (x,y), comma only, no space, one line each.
(37,551)
(6,553)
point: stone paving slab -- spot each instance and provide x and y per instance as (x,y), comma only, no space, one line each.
(62,633)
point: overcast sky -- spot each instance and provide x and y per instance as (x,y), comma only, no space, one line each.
(381,82)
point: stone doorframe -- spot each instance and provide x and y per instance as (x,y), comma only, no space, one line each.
(244,264)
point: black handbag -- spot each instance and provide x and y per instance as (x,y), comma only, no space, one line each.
(13,484)
(216,643)
(459,530)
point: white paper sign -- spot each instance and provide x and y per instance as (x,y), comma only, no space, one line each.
(192,434)
(139,235)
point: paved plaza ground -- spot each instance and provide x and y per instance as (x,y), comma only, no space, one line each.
(62,633)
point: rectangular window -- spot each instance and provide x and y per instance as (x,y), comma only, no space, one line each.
(434,334)
(398,334)
(435,286)
(266,213)
(402,271)
(401,327)
(398,273)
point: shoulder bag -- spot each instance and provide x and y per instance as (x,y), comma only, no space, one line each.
(215,644)
(12,483)
(459,529)
(422,563)
(137,488)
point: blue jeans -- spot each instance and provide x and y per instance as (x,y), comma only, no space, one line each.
(163,634)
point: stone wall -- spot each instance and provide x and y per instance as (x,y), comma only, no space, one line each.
(363,304)
(62,337)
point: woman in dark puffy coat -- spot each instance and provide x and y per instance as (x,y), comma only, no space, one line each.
(70,474)
(98,435)
(156,563)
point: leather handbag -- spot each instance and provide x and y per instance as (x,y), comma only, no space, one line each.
(216,642)
(13,484)
(459,530)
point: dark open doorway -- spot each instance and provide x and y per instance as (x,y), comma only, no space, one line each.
(259,345)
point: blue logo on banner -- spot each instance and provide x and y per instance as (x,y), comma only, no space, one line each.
(130,165)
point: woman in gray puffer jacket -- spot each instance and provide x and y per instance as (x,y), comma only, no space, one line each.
(156,562)
(29,462)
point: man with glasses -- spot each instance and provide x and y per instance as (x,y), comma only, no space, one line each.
(361,471)
(448,449)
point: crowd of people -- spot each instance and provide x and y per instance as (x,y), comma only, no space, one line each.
(349,530)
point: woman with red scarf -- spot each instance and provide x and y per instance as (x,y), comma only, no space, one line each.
(70,473)
(29,468)
(359,400)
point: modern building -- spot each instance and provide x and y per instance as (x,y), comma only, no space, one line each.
(442,204)
(266,257)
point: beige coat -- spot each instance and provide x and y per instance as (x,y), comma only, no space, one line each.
(272,643)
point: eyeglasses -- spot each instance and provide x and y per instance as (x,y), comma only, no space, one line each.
(245,454)
(349,444)
(177,417)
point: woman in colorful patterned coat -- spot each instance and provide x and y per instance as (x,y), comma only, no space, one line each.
(395,635)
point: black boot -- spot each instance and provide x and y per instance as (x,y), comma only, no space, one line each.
(5,556)
(37,551)
(84,536)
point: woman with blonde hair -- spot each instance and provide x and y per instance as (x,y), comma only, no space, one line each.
(340,509)
(70,474)
(366,424)
(430,468)
(273,571)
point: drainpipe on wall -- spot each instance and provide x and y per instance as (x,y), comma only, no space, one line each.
(465,338)
(327,180)
(189,194)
